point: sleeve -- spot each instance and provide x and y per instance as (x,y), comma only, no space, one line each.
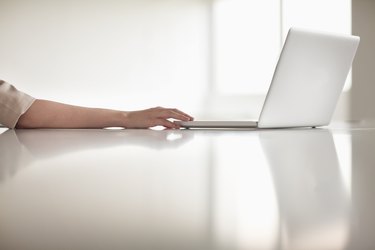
(13,103)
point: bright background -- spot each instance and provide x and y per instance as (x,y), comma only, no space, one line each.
(211,58)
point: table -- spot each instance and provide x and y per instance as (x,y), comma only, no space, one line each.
(188,189)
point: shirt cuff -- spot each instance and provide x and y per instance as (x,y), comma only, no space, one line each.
(13,104)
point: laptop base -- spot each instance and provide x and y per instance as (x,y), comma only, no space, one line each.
(218,124)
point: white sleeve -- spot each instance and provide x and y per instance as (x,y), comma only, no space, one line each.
(13,104)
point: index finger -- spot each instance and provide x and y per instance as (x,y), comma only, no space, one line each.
(183,113)
(176,114)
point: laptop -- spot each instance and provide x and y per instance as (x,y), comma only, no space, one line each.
(306,85)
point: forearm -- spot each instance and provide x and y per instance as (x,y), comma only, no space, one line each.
(48,114)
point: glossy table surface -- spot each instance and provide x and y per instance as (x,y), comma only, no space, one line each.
(188,189)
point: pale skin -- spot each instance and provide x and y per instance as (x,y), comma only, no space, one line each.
(49,114)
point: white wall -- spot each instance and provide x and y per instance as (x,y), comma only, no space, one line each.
(129,54)
(122,54)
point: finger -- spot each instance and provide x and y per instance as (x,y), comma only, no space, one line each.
(167,124)
(183,113)
(170,113)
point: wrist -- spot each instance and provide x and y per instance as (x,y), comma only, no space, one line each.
(122,118)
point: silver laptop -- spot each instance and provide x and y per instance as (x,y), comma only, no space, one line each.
(306,84)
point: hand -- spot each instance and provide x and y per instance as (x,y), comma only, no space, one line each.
(155,117)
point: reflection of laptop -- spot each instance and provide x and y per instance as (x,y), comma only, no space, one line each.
(308,181)
(306,84)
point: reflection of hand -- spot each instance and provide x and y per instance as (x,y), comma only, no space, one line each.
(149,138)
(155,117)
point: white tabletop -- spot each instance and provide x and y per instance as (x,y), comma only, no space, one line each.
(188,189)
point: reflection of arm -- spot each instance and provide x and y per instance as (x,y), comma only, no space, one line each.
(50,143)
(19,148)
(13,155)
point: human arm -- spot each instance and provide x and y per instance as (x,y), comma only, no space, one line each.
(49,114)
